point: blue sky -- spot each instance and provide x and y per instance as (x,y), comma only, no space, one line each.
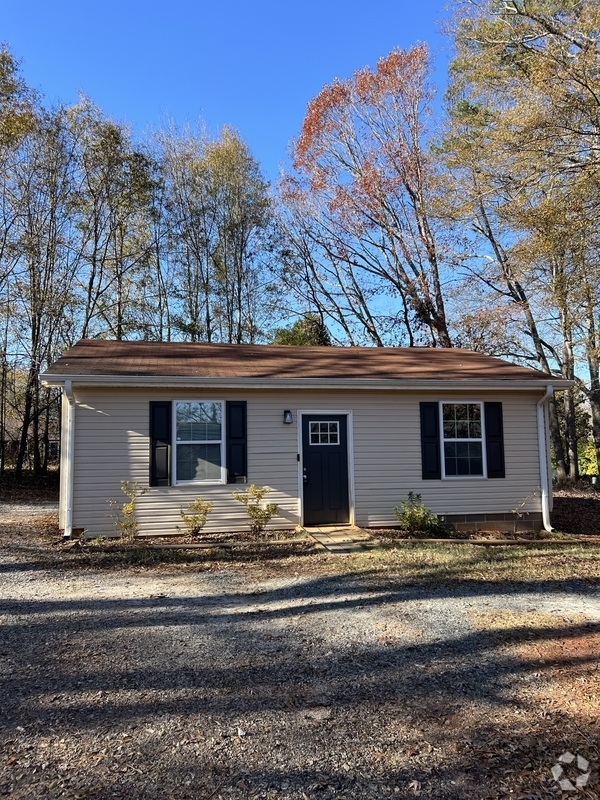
(252,65)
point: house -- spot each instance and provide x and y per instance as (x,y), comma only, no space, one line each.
(10,439)
(341,435)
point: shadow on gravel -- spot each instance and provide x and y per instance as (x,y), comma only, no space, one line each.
(165,683)
(60,639)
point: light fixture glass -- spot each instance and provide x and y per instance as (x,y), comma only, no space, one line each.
(287,417)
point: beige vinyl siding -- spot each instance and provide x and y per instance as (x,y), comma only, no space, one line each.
(111,444)
(388,461)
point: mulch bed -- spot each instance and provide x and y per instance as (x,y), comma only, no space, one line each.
(576,512)
(397,534)
(237,537)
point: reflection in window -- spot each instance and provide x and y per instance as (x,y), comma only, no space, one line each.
(324,433)
(198,434)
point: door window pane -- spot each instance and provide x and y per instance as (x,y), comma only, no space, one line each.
(324,432)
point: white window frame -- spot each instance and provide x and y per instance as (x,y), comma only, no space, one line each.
(223,478)
(443,403)
(324,444)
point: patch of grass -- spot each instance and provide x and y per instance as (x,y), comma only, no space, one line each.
(439,562)
(421,562)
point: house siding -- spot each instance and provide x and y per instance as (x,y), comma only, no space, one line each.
(111,445)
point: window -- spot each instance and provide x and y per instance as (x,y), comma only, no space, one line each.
(199,442)
(324,433)
(462,428)
(210,442)
(453,436)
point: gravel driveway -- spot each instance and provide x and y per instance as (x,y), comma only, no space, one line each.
(211,683)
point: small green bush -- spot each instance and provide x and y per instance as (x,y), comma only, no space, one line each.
(126,524)
(586,455)
(97,541)
(194,517)
(413,516)
(260,515)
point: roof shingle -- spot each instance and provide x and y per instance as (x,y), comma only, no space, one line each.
(98,357)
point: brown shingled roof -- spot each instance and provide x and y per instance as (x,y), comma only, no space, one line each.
(97,357)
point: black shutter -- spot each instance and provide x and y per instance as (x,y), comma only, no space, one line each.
(236,442)
(430,441)
(494,440)
(160,443)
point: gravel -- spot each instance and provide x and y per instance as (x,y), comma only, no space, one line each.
(223,683)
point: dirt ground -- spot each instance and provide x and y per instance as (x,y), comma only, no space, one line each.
(577,511)
(428,672)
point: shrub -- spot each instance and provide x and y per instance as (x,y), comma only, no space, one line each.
(126,524)
(413,516)
(194,517)
(97,541)
(260,515)
(586,455)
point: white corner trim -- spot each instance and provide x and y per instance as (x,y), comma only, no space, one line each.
(68,484)
(544,456)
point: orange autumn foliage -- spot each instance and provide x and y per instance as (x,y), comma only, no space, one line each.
(363,170)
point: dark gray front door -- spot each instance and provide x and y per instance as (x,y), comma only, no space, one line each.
(325,469)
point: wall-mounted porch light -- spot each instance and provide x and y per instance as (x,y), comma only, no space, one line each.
(287,417)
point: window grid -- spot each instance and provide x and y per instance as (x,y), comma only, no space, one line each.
(462,439)
(324,432)
(199,441)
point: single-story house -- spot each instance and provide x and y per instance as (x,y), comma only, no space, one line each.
(339,434)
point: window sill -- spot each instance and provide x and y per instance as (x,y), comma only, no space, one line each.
(464,477)
(199,483)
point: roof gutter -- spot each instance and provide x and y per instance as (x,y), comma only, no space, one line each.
(544,456)
(272,382)
(68,390)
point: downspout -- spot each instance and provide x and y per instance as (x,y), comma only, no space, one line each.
(544,458)
(68,484)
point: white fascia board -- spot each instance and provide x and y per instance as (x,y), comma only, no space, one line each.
(165,382)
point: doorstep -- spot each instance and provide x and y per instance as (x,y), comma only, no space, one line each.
(339,539)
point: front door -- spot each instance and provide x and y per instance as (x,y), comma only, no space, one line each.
(325,469)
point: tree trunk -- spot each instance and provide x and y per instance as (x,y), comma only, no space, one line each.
(46,434)
(22,452)
(3,387)
(594,398)
(571,436)
(556,443)
(593,395)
